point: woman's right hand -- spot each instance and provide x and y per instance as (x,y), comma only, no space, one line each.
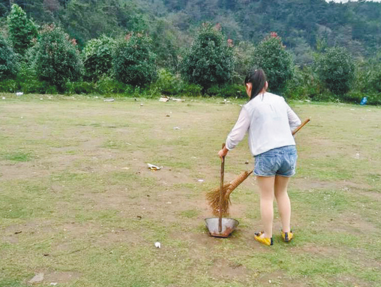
(223,152)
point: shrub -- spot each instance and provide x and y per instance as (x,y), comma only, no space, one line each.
(134,63)
(21,29)
(107,86)
(336,70)
(228,91)
(8,60)
(304,84)
(79,88)
(272,57)
(97,58)
(167,83)
(9,86)
(210,59)
(191,90)
(243,58)
(57,60)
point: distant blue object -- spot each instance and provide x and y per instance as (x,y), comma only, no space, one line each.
(364,101)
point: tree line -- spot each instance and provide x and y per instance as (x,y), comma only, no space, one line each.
(47,59)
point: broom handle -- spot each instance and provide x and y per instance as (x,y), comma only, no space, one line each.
(300,127)
(221,191)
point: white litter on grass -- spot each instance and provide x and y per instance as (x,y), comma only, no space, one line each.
(109,100)
(176,128)
(157,244)
(3,98)
(357,156)
(153,167)
(41,99)
(200,180)
(164,100)
(53,284)
(37,278)
(352,109)
(19,94)
(125,168)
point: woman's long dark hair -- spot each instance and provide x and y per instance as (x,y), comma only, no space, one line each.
(257,78)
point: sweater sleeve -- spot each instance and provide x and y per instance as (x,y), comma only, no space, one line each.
(293,119)
(239,130)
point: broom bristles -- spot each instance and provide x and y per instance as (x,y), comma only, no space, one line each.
(213,196)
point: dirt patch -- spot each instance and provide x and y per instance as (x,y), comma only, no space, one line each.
(224,269)
(61,277)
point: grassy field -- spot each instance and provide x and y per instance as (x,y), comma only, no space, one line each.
(78,203)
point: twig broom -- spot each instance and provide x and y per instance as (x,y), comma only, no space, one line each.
(213,196)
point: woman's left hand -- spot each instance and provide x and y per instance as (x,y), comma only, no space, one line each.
(223,152)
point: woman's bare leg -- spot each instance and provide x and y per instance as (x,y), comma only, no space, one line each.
(283,201)
(266,188)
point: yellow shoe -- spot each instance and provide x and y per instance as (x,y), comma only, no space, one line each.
(287,236)
(263,240)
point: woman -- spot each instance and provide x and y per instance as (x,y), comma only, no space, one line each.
(269,121)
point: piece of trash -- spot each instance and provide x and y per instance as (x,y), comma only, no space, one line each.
(37,278)
(164,100)
(200,180)
(176,128)
(364,100)
(357,156)
(53,284)
(247,162)
(270,281)
(109,100)
(125,168)
(18,232)
(139,217)
(46,254)
(169,202)
(352,109)
(41,99)
(3,98)
(168,116)
(141,105)
(153,167)
(21,117)
(19,94)
(157,244)
(176,100)
(97,97)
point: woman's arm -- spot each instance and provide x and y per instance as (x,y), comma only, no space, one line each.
(237,133)
(293,119)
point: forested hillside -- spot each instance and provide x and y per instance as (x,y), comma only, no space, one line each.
(302,24)
(309,49)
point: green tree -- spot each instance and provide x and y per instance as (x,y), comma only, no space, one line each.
(57,59)
(165,44)
(97,57)
(21,29)
(134,63)
(272,57)
(8,60)
(210,59)
(336,69)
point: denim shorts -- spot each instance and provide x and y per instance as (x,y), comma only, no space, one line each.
(279,161)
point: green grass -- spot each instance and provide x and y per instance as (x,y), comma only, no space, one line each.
(77,197)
